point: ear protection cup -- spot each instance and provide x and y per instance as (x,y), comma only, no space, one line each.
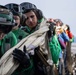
(39,14)
(23,20)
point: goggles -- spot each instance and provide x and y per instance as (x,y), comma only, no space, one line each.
(27,6)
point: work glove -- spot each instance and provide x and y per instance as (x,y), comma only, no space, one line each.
(22,57)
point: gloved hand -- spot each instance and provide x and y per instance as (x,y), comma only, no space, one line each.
(22,57)
(61,30)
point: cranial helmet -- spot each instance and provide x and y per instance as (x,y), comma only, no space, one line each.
(26,6)
(6,19)
(14,8)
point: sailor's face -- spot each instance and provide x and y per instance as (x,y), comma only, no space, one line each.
(17,20)
(2,35)
(31,19)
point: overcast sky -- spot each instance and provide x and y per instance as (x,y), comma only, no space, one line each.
(62,9)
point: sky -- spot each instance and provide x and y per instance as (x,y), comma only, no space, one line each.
(62,9)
